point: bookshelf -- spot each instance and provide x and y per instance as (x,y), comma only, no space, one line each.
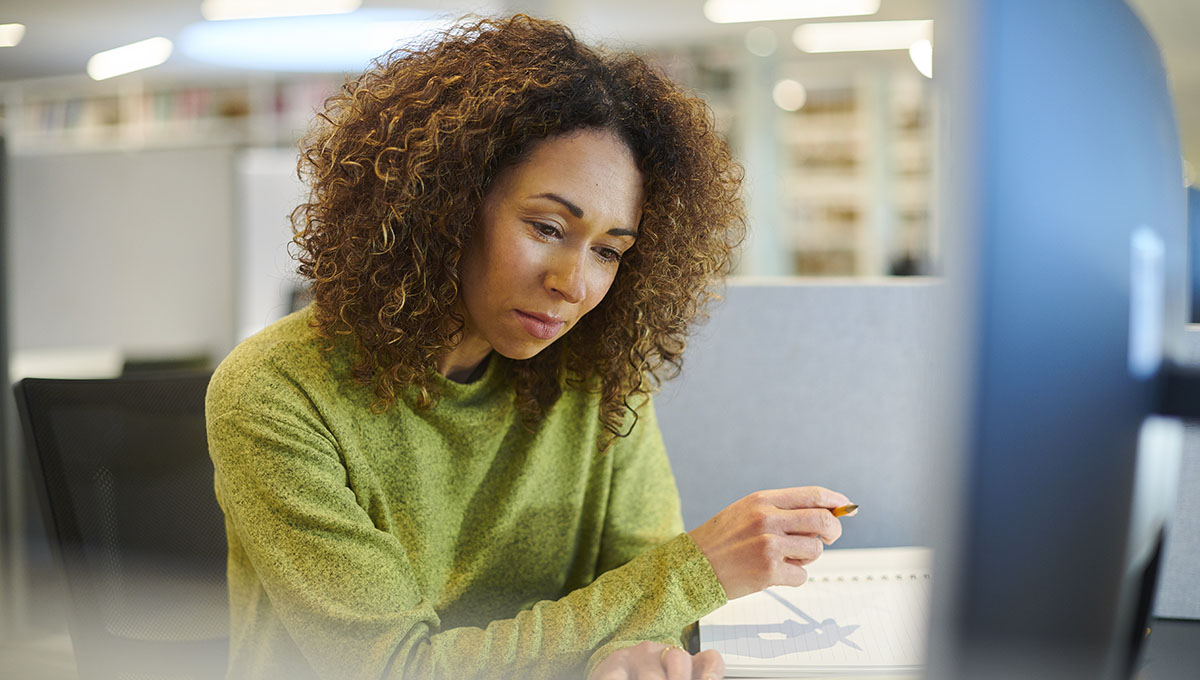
(129,114)
(856,177)
(842,186)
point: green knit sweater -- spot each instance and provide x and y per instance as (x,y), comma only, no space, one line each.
(442,543)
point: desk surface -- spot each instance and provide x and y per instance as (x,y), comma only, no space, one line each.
(1173,652)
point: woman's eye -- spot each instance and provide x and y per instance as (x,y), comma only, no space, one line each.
(545,229)
(610,255)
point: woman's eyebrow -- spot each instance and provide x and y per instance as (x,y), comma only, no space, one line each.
(574,209)
(578,213)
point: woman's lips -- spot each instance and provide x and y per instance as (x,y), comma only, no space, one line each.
(543,329)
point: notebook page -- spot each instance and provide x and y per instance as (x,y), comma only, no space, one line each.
(854,619)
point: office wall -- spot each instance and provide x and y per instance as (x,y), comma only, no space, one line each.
(267,192)
(127,250)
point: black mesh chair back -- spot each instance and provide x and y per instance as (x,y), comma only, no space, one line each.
(126,490)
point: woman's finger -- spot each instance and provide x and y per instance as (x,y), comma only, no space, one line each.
(708,665)
(798,549)
(612,672)
(805,497)
(677,663)
(648,661)
(812,522)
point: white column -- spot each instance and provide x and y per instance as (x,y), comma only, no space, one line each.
(876,239)
(756,140)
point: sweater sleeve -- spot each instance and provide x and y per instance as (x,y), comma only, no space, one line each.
(349,596)
(644,511)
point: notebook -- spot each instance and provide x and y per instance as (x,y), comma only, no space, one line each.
(862,611)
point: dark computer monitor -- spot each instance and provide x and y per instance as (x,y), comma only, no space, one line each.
(1062,169)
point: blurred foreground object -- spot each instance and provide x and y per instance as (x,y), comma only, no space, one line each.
(126,490)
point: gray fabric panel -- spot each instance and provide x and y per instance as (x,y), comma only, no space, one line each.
(793,384)
(1179,581)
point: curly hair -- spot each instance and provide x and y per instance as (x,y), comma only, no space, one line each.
(402,156)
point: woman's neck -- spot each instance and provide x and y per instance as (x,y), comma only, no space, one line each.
(464,365)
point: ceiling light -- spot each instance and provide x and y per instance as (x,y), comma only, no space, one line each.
(921,53)
(761,41)
(11,34)
(344,43)
(789,95)
(861,36)
(129,58)
(224,10)
(734,11)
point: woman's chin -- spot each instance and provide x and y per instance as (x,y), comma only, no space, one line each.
(520,351)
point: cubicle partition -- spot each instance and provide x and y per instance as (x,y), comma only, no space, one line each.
(1179,583)
(835,383)
(794,382)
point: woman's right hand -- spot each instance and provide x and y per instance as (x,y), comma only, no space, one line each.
(766,538)
(656,661)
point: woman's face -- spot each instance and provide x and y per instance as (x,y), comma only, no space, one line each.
(552,232)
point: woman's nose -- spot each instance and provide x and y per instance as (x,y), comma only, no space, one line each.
(566,277)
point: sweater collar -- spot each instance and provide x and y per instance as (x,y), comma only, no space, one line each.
(492,378)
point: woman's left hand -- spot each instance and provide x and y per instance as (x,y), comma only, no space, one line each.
(656,661)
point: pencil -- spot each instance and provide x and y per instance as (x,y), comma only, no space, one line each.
(843,510)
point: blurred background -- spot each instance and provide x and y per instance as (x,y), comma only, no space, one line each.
(181,173)
(150,151)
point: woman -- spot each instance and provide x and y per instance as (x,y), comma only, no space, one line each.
(448,465)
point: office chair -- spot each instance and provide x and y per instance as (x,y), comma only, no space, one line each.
(125,486)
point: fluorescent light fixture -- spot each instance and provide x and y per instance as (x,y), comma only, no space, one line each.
(11,34)
(344,43)
(129,58)
(861,36)
(381,36)
(789,95)
(735,11)
(921,53)
(226,10)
